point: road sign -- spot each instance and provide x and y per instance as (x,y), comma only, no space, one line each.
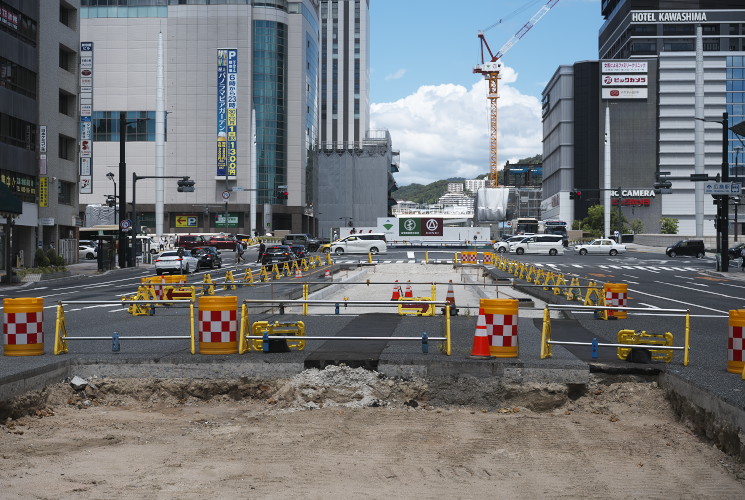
(723,188)
(237,188)
(125,224)
(225,195)
(186,221)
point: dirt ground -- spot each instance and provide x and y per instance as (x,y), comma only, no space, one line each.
(354,434)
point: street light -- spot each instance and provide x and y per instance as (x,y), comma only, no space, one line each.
(111,202)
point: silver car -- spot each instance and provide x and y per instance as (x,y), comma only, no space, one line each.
(172,262)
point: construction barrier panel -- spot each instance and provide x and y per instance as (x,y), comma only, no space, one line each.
(616,294)
(23,326)
(735,345)
(469,257)
(500,316)
(218,325)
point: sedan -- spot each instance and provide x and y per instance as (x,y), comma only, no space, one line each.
(600,246)
(172,262)
(735,252)
(208,257)
(87,252)
(277,253)
(222,242)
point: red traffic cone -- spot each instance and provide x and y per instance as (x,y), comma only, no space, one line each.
(409,291)
(450,299)
(328,273)
(481,339)
(396,291)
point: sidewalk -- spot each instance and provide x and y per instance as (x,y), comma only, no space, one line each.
(85,268)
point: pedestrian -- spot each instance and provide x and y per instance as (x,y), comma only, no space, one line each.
(239,248)
(353,231)
(262,248)
(171,241)
(742,259)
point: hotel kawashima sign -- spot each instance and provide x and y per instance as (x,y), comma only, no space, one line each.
(685,16)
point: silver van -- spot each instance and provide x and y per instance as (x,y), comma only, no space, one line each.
(552,244)
(358,243)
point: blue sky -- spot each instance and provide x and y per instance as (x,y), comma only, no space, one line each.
(424,92)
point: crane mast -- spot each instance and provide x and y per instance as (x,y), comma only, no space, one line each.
(491,68)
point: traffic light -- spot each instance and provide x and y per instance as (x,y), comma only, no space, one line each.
(574,194)
(663,187)
(185,185)
(280,193)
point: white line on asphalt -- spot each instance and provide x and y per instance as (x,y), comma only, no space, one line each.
(632,282)
(702,291)
(642,268)
(678,301)
(648,305)
(692,282)
(635,277)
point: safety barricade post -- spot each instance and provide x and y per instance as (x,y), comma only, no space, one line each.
(229,283)
(501,316)
(736,342)
(218,325)
(23,326)
(616,294)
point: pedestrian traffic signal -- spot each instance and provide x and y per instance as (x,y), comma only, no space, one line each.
(185,185)
(281,193)
(574,194)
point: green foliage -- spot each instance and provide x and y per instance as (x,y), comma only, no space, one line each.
(59,261)
(595,221)
(535,160)
(668,225)
(637,226)
(40,258)
(52,255)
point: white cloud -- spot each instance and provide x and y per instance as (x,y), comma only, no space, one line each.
(397,75)
(442,131)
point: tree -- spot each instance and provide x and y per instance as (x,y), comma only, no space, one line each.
(637,226)
(668,225)
(595,221)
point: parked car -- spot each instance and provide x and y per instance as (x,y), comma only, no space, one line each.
(600,246)
(277,253)
(87,251)
(306,240)
(208,257)
(735,252)
(190,241)
(358,243)
(504,245)
(222,242)
(552,244)
(690,248)
(172,262)
(300,251)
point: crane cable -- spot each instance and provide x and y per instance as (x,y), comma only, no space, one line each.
(524,7)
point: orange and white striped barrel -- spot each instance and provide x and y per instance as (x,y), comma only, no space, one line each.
(469,257)
(736,342)
(488,259)
(616,294)
(23,326)
(218,325)
(501,316)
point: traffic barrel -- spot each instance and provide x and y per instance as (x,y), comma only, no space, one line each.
(481,349)
(616,294)
(218,325)
(501,316)
(736,342)
(23,326)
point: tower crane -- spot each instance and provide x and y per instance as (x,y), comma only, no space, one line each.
(491,69)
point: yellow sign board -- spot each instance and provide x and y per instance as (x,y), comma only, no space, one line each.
(43,191)
(187,221)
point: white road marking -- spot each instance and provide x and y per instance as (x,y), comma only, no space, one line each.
(701,291)
(678,301)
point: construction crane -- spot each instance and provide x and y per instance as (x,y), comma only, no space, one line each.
(491,69)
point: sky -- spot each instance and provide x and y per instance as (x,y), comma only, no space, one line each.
(424,91)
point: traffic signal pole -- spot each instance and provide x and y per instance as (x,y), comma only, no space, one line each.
(724,201)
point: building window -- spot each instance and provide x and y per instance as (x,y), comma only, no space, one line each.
(66,103)
(18,25)
(65,192)
(66,147)
(140,126)
(17,78)
(66,59)
(17,132)
(67,15)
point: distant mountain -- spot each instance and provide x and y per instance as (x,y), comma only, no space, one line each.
(430,193)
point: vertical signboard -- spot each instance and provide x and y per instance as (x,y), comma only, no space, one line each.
(86,118)
(43,191)
(227,112)
(42,150)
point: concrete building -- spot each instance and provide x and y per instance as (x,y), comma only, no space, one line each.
(269,66)
(39,53)
(646,81)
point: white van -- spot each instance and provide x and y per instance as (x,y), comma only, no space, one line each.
(358,243)
(552,244)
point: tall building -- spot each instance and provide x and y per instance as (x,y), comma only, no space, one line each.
(39,53)
(645,81)
(222,62)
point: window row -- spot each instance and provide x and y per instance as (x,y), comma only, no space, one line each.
(17,132)
(17,24)
(17,78)
(140,126)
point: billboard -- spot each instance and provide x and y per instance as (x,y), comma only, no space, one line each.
(420,226)
(85,186)
(616,93)
(227,112)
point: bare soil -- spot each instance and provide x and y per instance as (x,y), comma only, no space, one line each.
(354,433)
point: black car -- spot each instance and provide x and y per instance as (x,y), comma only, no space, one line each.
(208,256)
(689,248)
(300,251)
(277,253)
(735,252)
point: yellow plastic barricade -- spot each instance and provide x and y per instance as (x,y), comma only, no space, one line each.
(501,317)
(23,326)
(660,339)
(488,259)
(409,305)
(180,293)
(469,258)
(594,296)
(249,276)
(616,294)
(574,292)
(736,342)
(560,282)
(296,328)
(229,281)
(218,325)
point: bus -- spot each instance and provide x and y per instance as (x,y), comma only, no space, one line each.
(553,227)
(523,225)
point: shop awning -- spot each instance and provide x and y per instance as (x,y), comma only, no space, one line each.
(10,204)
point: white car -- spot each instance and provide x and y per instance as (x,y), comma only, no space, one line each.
(600,246)
(87,252)
(170,262)
(509,243)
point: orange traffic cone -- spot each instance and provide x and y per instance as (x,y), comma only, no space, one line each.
(450,299)
(328,273)
(481,339)
(298,273)
(409,291)
(396,291)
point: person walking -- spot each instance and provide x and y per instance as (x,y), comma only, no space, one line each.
(262,248)
(239,249)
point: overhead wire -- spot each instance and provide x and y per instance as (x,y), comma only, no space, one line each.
(523,8)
